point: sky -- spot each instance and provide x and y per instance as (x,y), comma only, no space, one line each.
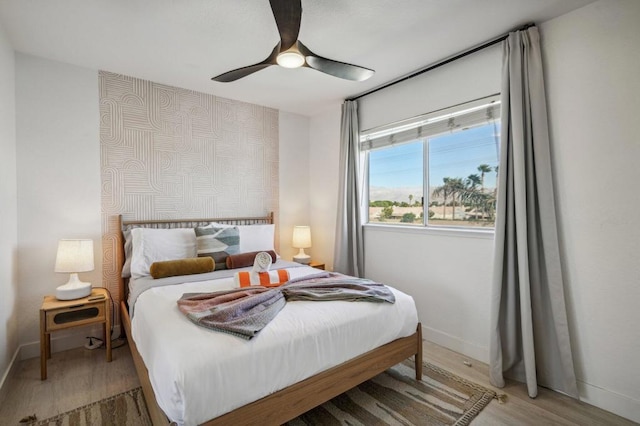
(396,172)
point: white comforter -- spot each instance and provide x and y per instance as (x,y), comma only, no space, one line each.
(199,374)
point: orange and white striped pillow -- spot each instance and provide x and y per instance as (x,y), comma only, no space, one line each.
(266,279)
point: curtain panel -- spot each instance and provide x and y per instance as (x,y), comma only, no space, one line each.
(349,248)
(529,336)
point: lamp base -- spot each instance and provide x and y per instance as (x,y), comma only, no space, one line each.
(303,260)
(74,289)
(302,257)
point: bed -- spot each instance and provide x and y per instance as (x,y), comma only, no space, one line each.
(289,368)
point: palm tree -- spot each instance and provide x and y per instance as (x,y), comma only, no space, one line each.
(473,181)
(410,199)
(457,190)
(471,193)
(453,187)
(443,190)
(483,168)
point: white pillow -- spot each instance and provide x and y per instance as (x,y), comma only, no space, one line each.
(154,245)
(256,238)
(128,252)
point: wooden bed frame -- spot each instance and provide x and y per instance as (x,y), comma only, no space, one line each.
(290,402)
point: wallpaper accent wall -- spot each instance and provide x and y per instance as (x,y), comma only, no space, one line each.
(170,153)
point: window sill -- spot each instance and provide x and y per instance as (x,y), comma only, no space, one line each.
(440,231)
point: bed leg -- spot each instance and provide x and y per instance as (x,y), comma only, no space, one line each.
(418,355)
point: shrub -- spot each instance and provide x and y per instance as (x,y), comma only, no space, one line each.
(408,218)
(387,212)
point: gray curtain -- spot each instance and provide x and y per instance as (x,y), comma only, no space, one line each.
(349,249)
(529,339)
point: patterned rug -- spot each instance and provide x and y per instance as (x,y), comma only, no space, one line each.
(125,409)
(391,398)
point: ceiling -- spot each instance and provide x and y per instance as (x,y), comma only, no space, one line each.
(184,43)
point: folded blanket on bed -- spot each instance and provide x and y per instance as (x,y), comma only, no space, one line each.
(334,286)
(244,312)
(241,312)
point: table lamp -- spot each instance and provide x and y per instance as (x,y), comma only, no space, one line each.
(302,240)
(74,256)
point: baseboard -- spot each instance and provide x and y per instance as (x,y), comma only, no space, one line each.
(65,342)
(11,370)
(611,401)
(456,344)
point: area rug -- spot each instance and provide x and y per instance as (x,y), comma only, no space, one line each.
(124,409)
(396,398)
(391,398)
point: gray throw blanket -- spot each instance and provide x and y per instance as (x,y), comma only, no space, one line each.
(244,312)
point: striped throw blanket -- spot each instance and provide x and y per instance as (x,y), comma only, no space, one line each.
(244,312)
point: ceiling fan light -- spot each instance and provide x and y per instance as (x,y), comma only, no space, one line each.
(290,59)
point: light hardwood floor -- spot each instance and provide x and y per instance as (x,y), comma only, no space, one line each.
(76,377)
(79,376)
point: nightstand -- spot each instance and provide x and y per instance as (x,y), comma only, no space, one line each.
(316,265)
(62,314)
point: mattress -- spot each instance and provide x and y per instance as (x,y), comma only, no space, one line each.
(198,374)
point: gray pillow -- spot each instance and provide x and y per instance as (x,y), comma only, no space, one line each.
(217,243)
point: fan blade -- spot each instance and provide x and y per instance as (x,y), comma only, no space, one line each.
(288,14)
(334,68)
(245,71)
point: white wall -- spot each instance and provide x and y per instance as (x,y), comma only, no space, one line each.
(8,210)
(324,177)
(453,301)
(58,152)
(448,276)
(472,77)
(294,178)
(592,61)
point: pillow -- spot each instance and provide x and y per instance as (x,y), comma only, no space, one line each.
(171,268)
(154,245)
(256,238)
(246,259)
(217,243)
(128,252)
(265,279)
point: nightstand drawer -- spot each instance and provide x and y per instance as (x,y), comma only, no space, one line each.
(89,313)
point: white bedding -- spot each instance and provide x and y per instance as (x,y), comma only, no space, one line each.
(199,374)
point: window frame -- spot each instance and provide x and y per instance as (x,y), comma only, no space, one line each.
(425,227)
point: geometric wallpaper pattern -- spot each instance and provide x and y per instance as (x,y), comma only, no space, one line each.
(169,153)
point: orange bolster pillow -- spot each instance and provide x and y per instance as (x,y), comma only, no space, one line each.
(266,279)
(171,268)
(246,259)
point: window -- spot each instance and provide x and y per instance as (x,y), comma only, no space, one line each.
(436,170)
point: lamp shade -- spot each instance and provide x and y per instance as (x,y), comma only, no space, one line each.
(301,237)
(74,256)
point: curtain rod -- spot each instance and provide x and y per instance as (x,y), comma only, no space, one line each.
(443,62)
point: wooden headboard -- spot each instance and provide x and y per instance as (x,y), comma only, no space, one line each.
(168,224)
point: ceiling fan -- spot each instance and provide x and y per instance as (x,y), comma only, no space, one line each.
(291,53)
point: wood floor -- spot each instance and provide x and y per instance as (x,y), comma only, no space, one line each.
(79,376)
